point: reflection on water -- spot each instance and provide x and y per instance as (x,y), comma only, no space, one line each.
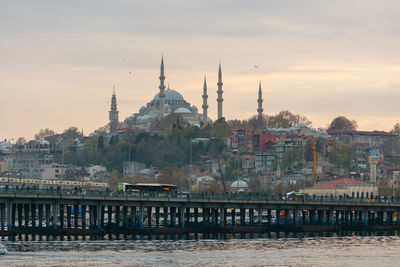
(319,250)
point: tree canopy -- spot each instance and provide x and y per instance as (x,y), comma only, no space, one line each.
(342,123)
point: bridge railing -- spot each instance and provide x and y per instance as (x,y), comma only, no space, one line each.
(191,196)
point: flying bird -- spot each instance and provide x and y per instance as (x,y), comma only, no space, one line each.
(256,67)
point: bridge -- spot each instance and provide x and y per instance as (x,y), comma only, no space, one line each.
(100,213)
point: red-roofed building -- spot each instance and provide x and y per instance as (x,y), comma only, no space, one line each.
(344,186)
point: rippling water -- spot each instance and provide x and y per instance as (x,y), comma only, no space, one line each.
(315,251)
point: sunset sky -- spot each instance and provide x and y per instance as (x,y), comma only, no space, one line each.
(59,60)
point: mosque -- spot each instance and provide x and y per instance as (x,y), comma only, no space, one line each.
(166,102)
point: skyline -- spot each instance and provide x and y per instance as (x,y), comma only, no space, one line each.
(321,60)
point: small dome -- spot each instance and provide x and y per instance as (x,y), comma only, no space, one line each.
(44,142)
(182,110)
(194,109)
(239,184)
(170,95)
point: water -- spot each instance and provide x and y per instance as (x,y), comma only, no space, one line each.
(311,251)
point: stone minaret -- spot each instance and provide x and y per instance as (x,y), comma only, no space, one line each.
(373,160)
(260,101)
(205,106)
(220,99)
(113,114)
(162,88)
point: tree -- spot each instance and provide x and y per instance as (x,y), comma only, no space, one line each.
(114,179)
(174,175)
(396,129)
(340,155)
(285,119)
(21,141)
(342,123)
(44,134)
(72,132)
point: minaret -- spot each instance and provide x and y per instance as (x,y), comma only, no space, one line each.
(113,114)
(260,101)
(220,99)
(162,88)
(205,96)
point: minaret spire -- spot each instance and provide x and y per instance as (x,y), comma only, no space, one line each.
(220,99)
(260,101)
(205,96)
(113,113)
(162,88)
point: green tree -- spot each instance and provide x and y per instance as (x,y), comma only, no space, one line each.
(340,155)
(342,123)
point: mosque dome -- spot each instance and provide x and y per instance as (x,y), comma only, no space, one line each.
(182,110)
(142,109)
(193,109)
(239,184)
(170,95)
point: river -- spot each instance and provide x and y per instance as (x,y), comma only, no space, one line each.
(304,251)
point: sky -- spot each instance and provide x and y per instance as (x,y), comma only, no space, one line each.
(59,60)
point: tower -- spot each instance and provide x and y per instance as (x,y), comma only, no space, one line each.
(113,114)
(205,96)
(260,101)
(162,88)
(220,99)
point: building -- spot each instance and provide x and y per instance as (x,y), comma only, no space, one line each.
(131,168)
(373,138)
(53,171)
(30,158)
(251,141)
(342,187)
(166,102)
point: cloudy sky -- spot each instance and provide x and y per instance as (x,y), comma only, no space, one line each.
(60,59)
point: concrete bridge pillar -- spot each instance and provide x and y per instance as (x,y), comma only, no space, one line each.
(33,215)
(149,216)
(330,215)
(26,214)
(287,216)
(242,216)
(269,216)
(222,217)
(181,217)
(76,216)
(118,215)
(69,225)
(312,216)
(9,215)
(91,216)
(83,216)
(165,215)
(109,215)
(19,214)
(304,217)
(40,218)
(48,215)
(99,216)
(61,210)
(133,216)
(233,216)
(125,217)
(251,217)
(364,216)
(213,217)
(259,217)
(196,216)
(141,216)
(204,214)
(157,217)
(3,216)
(187,216)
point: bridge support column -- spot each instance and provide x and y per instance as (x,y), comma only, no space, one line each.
(181,217)
(47,208)
(329,216)
(242,216)
(76,216)
(62,210)
(83,216)
(10,217)
(40,218)
(19,211)
(165,215)
(187,216)
(133,216)
(109,215)
(125,217)
(99,216)
(380,217)
(149,216)
(278,216)
(141,217)
(69,225)
(304,217)
(364,216)
(118,216)
(222,217)
(33,215)
(269,216)
(157,217)
(204,214)
(233,216)
(26,215)
(91,216)
(259,217)
(196,217)
(312,216)
(251,217)
(3,216)
(213,217)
